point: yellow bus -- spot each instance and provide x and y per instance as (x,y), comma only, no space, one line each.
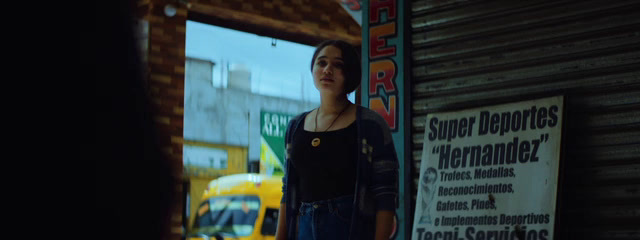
(239,206)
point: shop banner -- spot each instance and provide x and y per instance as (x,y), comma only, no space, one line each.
(354,8)
(490,172)
(383,83)
(273,127)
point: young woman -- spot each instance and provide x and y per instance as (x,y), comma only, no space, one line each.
(341,174)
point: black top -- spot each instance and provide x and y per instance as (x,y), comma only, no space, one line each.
(328,170)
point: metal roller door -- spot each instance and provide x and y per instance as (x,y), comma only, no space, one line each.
(474,53)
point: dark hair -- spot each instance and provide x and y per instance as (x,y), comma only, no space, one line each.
(352,69)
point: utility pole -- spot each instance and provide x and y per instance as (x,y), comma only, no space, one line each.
(248,138)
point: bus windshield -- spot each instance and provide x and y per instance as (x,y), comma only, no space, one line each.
(227,215)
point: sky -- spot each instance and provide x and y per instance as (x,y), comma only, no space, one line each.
(280,71)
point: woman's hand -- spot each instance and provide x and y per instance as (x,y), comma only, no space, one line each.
(384,224)
(281,231)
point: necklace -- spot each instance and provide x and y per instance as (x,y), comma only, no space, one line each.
(316,141)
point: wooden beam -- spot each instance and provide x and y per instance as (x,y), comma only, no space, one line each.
(269,23)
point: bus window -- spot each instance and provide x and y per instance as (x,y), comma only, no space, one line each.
(270,223)
(229,215)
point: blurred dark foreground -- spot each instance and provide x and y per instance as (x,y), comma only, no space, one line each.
(134,189)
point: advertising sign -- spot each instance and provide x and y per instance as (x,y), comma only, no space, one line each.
(490,172)
(383,82)
(273,127)
(354,8)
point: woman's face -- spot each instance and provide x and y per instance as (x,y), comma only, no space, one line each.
(328,71)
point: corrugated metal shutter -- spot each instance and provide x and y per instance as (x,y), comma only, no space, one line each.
(473,53)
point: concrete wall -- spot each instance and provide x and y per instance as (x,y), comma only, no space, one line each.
(227,116)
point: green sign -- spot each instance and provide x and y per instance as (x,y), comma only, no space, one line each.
(273,127)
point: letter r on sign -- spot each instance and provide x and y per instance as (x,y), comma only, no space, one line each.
(381,73)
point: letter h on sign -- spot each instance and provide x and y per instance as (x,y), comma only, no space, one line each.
(376,6)
(377,34)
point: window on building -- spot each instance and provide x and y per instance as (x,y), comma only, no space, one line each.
(223,163)
(207,157)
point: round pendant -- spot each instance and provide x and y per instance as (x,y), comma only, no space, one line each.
(315,142)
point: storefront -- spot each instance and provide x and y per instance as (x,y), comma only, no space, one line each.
(430,57)
(161,35)
(459,55)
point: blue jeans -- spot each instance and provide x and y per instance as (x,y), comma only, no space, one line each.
(326,219)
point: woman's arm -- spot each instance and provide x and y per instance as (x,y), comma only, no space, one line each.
(384,224)
(281,231)
(384,173)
